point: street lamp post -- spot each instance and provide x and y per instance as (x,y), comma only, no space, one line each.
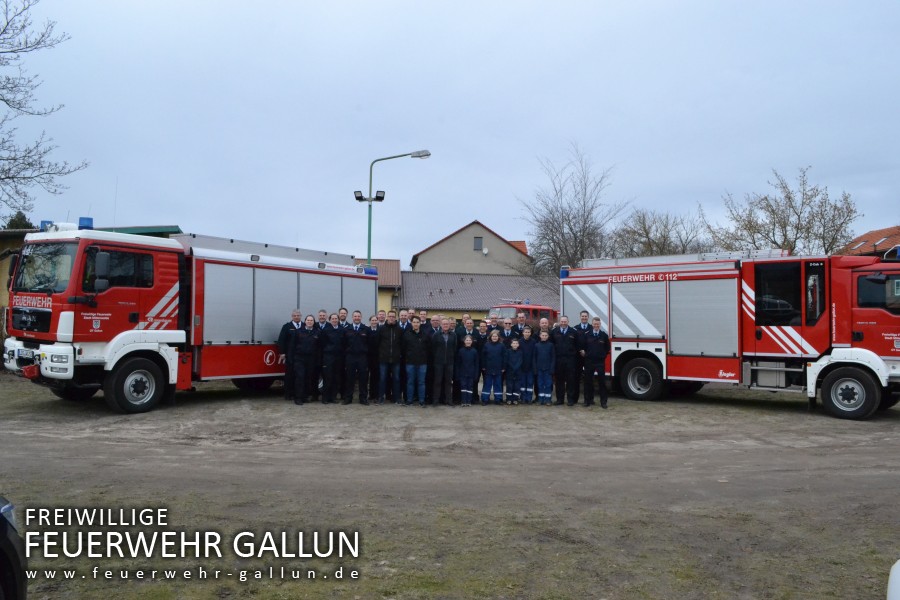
(379,196)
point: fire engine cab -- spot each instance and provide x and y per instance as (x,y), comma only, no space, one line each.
(141,317)
(760,319)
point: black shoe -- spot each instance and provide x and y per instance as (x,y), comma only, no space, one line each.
(603,406)
(558,403)
(364,402)
(346,402)
(298,402)
(587,404)
(570,404)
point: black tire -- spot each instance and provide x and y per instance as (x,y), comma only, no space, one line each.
(888,399)
(850,393)
(134,386)
(254,384)
(641,379)
(679,389)
(73,394)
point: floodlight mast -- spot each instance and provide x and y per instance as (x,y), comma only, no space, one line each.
(379,197)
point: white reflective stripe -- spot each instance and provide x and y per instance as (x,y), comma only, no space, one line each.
(799,340)
(163,301)
(746,301)
(749,314)
(748,290)
(776,332)
(602,305)
(170,308)
(621,304)
(598,306)
(778,343)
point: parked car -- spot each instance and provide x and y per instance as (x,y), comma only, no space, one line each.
(13,585)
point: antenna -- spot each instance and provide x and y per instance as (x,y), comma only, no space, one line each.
(115,200)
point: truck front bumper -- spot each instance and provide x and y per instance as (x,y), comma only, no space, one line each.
(55,361)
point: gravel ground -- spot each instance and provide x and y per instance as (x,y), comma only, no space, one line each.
(725,494)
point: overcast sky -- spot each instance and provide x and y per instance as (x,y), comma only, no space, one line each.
(257,121)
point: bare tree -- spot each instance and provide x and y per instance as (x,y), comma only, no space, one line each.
(804,220)
(651,233)
(569,219)
(25,165)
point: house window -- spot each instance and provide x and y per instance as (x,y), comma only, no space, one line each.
(479,244)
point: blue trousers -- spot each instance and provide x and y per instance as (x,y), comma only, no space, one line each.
(545,387)
(395,380)
(493,388)
(415,383)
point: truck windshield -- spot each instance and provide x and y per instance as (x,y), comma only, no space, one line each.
(45,268)
(504,313)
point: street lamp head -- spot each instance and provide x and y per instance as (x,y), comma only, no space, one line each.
(359,197)
(379,196)
(421,154)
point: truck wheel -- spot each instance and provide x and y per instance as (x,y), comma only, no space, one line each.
(73,394)
(850,393)
(888,399)
(641,379)
(254,384)
(135,386)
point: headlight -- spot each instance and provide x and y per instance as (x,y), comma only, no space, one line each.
(59,358)
(6,509)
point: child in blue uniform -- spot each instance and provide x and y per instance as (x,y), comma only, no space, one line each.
(526,344)
(544,365)
(513,372)
(493,357)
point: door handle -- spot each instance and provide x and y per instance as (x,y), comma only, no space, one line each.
(759,334)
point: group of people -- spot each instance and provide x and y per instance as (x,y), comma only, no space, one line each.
(408,359)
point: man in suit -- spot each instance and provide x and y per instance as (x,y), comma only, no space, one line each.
(356,360)
(284,344)
(565,344)
(443,355)
(594,349)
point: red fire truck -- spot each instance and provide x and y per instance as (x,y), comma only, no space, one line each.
(763,320)
(141,317)
(533,312)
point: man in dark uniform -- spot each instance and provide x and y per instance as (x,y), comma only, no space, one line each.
(357,359)
(565,344)
(594,349)
(304,352)
(582,329)
(284,346)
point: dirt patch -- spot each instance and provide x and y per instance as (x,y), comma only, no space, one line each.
(721,495)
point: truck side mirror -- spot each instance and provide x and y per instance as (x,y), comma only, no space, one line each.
(101,270)
(13,261)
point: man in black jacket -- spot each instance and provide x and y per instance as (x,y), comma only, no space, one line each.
(284,345)
(389,353)
(415,349)
(443,356)
(565,344)
(594,349)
